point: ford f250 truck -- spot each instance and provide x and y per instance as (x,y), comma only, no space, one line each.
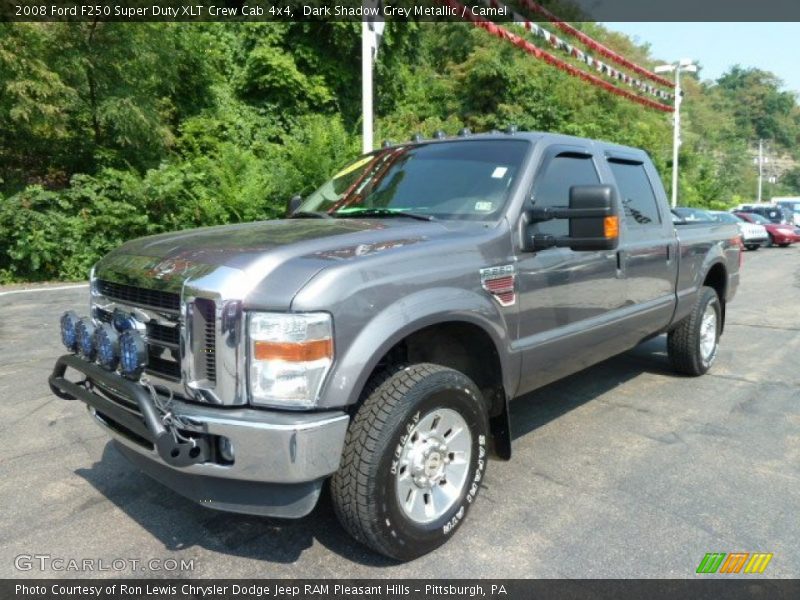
(375,337)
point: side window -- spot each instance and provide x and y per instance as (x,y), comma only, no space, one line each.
(636,194)
(552,187)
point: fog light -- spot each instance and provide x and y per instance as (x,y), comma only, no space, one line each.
(226,449)
(106,341)
(122,322)
(85,333)
(69,335)
(132,354)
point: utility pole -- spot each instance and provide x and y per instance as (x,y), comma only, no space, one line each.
(687,65)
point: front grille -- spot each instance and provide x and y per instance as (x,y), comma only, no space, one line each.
(136,296)
(164,338)
(161,362)
(156,332)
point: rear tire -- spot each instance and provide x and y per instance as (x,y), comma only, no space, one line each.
(414,457)
(692,345)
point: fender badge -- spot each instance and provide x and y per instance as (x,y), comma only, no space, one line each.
(500,283)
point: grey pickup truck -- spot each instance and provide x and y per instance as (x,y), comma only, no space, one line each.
(375,337)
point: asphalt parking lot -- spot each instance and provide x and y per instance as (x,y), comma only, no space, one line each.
(624,470)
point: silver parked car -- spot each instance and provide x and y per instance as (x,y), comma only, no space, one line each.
(753,235)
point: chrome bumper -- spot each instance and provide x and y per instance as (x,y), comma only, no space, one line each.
(287,452)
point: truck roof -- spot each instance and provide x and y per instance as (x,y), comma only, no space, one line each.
(531,136)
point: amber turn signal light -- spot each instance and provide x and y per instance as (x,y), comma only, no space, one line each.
(293,351)
(611,227)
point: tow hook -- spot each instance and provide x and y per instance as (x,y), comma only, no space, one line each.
(173,447)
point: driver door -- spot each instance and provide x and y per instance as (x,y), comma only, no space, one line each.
(568,299)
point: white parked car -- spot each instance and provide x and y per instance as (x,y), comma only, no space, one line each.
(753,235)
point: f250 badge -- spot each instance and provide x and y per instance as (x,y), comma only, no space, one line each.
(500,282)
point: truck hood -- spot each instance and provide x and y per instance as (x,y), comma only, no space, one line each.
(239,257)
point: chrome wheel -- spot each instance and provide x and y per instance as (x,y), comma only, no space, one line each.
(708,334)
(433,466)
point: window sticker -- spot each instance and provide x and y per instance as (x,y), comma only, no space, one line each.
(499,172)
(484,206)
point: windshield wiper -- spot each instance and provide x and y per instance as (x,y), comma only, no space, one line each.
(307,214)
(382,212)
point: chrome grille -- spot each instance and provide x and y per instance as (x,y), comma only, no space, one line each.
(136,296)
(162,362)
(162,337)
(163,334)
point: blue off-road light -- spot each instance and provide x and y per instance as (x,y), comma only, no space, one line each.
(85,332)
(132,354)
(122,322)
(106,341)
(69,335)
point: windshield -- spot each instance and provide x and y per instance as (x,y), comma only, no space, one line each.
(463,179)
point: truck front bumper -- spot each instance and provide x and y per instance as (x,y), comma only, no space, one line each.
(236,459)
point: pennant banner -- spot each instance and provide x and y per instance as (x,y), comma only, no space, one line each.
(525,45)
(577,53)
(594,44)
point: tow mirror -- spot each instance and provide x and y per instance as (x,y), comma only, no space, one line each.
(293,204)
(593,221)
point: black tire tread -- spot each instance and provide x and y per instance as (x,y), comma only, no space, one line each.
(682,347)
(350,485)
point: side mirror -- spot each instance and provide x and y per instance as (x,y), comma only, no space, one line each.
(597,231)
(593,221)
(293,204)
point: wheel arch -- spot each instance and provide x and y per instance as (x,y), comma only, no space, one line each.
(454,328)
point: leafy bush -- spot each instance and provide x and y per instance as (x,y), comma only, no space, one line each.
(47,235)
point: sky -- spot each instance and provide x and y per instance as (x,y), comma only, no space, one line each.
(717,46)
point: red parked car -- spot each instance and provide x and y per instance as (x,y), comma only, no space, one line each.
(780,235)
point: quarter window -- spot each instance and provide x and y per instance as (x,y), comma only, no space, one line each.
(636,194)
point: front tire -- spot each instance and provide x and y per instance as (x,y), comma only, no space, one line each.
(692,345)
(414,457)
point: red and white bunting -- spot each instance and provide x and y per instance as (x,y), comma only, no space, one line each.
(594,44)
(584,57)
(535,51)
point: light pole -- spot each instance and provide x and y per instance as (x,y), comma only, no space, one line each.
(761,161)
(687,65)
(371,32)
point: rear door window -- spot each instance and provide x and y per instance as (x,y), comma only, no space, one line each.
(636,194)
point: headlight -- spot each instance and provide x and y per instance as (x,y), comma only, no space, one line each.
(106,340)
(290,354)
(85,332)
(69,335)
